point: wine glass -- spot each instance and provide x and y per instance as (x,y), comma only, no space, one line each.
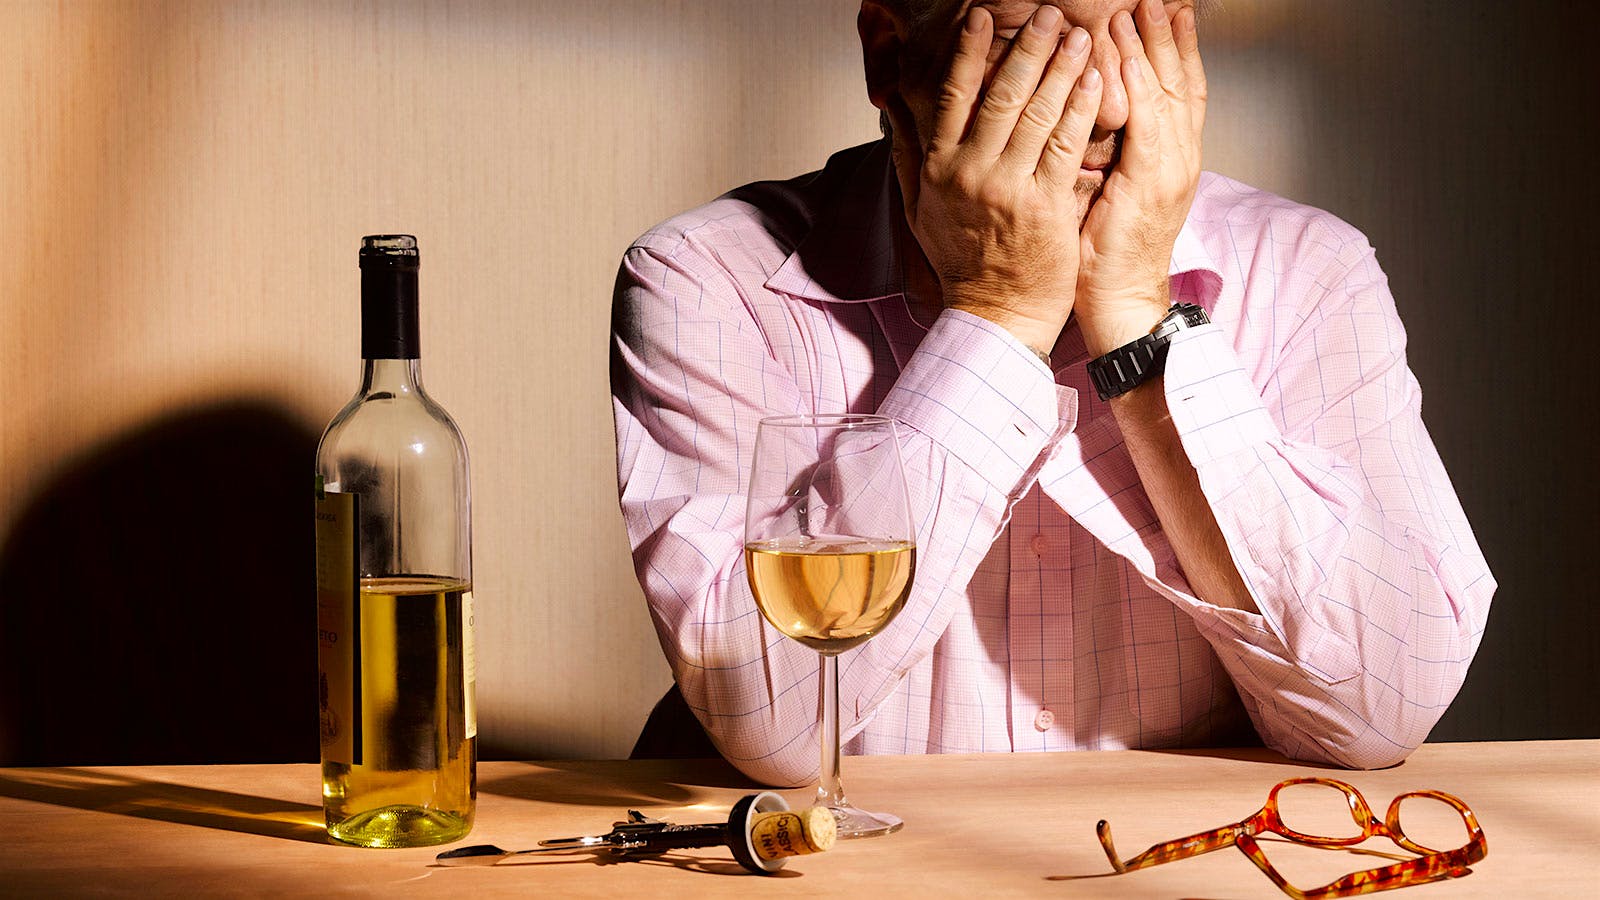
(829,551)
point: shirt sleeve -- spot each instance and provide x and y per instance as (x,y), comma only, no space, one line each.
(1343,524)
(692,375)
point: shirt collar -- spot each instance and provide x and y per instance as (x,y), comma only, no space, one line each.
(848,256)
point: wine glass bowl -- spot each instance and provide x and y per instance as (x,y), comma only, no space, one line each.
(829,554)
(833,592)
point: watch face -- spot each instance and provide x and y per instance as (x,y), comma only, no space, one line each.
(1191,314)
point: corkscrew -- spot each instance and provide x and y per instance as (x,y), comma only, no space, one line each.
(761,831)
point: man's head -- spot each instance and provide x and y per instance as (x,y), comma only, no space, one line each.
(907,46)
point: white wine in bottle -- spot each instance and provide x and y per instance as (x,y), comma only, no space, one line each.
(395,651)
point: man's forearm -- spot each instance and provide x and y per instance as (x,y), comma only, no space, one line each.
(1173,486)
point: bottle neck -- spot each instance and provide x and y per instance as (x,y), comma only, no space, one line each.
(391,378)
(389,313)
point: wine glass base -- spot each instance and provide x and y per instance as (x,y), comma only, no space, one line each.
(858,823)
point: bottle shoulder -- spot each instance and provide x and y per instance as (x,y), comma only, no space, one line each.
(378,424)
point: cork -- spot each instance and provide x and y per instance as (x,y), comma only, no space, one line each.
(775,835)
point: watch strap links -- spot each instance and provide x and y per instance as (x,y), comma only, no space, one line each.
(1129,366)
(1139,361)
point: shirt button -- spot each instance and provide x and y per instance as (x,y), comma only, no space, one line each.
(1045,720)
(1040,544)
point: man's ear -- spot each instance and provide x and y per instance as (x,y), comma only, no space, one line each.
(883,41)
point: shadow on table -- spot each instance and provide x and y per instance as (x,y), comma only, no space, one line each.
(632,783)
(1258,755)
(1240,754)
(167,802)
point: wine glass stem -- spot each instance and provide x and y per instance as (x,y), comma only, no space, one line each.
(831,792)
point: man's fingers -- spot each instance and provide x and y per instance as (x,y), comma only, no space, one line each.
(1015,82)
(1063,152)
(963,82)
(1160,47)
(1042,113)
(1147,103)
(1185,33)
(905,154)
(1142,138)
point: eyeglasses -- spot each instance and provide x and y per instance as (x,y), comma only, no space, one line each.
(1431,865)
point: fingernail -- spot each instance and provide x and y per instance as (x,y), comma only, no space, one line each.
(1078,42)
(1090,79)
(974,20)
(1158,11)
(1047,19)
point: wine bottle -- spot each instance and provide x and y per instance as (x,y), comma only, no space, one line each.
(396,656)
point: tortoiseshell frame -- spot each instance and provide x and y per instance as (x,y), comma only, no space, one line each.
(1432,865)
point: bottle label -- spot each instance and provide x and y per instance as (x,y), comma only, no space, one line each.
(338,637)
(469,663)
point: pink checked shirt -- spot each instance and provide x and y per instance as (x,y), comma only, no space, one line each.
(1048,610)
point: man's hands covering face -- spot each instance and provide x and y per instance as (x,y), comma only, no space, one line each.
(1127,240)
(992,204)
(992,200)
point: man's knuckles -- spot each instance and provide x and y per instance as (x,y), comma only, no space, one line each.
(1007,94)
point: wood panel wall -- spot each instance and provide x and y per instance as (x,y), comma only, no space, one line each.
(183,186)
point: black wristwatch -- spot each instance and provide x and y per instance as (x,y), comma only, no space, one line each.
(1131,365)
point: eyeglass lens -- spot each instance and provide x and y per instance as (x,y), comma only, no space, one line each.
(1317,810)
(1432,823)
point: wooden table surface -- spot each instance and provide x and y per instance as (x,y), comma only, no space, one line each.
(977,826)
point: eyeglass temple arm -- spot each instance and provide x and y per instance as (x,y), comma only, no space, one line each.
(1423,869)
(1169,851)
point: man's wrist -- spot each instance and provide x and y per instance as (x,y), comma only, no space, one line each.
(1137,362)
(1116,322)
(1038,335)
(1146,403)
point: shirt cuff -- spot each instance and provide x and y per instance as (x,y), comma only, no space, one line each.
(1214,406)
(977,391)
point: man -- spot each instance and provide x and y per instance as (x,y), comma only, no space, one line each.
(1259,534)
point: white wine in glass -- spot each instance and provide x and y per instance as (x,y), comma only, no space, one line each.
(830,554)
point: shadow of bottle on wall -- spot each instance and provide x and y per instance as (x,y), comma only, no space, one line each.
(156,599)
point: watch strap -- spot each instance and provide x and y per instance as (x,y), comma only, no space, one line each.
(1137,362)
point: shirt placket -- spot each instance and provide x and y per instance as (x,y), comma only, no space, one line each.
(1040,634)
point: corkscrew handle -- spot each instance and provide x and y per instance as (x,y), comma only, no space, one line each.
(670,837)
